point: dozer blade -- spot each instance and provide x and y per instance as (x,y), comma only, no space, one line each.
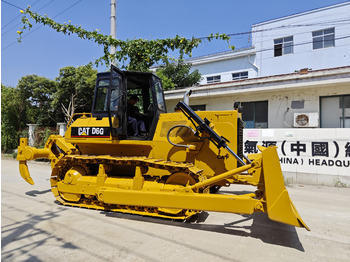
(279,206)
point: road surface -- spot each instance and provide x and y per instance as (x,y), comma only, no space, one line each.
(35,228)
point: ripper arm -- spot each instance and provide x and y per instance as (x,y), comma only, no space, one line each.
(55,148)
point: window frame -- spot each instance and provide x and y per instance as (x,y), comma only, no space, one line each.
(254,108)
(342,106)
(240,75)
(283,43)
(215,79)
(323,34)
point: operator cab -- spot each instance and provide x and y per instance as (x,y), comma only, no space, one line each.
(112,92)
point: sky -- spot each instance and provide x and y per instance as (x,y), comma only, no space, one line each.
(43,51)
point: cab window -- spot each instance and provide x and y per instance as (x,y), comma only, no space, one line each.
(160,97)
(101,95)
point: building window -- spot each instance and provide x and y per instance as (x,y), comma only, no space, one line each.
(283,46)
(213,79)
(241,75)
(335,111)
(323,38)
(254,114)
(198,107)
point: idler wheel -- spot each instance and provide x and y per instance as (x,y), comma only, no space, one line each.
(71,178)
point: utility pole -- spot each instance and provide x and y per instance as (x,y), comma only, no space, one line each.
(113,26)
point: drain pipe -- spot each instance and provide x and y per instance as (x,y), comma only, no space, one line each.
(257,68)
(187,97)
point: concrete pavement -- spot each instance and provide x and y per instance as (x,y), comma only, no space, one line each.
(35,228)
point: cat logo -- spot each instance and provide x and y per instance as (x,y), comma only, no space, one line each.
(98,132)
(83,131)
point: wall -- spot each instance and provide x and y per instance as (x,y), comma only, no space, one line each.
(304,56)
(226,68)
(280,111)
(259,59)
(279,116)
(307,156)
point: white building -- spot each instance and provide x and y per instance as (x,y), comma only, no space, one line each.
(317,39)
(294,79)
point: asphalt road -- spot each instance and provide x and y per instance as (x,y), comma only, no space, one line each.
(35,228)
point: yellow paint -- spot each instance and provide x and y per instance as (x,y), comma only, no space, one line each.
(155,178)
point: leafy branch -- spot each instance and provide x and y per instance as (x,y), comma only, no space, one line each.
(137,54)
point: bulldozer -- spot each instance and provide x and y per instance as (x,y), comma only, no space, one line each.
(173,170)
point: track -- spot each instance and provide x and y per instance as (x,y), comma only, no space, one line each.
(159,172)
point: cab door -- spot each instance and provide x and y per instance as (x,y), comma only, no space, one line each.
(117,103)
(110,101)
(158,102)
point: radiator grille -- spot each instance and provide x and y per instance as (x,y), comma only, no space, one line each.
(240,139)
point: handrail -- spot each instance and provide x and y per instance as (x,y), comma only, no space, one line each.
(178,145)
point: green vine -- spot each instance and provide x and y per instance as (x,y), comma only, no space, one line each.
(136,54)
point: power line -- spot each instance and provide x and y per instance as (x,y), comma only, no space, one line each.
(272,48)
(303,43)
(12,4)
(32,31)
(20,15)
(68,8)
(333,23)
(2,28)
(346,21)
(339,21)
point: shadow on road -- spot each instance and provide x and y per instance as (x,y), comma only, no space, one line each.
(28,228)
(261,228)
(34,193)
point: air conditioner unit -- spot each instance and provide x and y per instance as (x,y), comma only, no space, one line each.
(306,119)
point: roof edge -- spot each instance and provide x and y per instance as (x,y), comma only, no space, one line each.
(273,78)
(301,14)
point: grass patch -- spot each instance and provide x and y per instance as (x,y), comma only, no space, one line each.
(338,183)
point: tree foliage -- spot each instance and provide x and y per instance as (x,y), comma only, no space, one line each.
(179,73)
(29,102)
(135,54)
(166,81)
(10,114)
(78,82)
(35,95)
(39,100)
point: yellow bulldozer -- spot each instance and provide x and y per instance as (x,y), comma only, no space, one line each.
(174,169)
